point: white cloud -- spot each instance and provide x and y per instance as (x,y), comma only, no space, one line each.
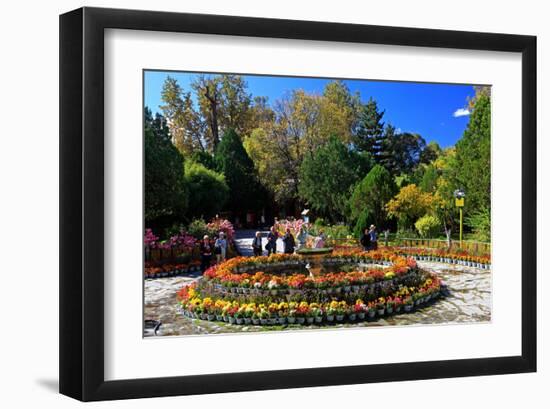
(461,112)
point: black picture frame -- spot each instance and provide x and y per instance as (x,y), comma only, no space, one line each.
(82,200)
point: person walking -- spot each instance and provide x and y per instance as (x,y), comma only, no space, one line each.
(301,237)
(271,245)
(257,244)
(365,240)
(373,237)
(206,253)
(220,248)
(288,242)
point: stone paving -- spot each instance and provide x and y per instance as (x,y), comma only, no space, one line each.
(470,301)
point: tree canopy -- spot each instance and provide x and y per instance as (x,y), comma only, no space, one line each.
(233,162)
(371,194)
(165,187)
(327,177)
(208,188)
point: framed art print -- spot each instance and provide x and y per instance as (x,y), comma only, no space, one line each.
(252,204)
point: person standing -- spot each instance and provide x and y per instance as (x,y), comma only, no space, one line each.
(301,237)
(206,253)
(373,237)
(220,248)
(365,240)
(271,245)
(288,241)
(320,240)
(257,244)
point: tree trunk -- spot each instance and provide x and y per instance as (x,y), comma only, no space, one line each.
(448,235)
(212,98)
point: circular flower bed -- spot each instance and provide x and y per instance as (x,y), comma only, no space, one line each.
(278,290)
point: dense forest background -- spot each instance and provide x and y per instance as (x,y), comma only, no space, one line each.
(217,149)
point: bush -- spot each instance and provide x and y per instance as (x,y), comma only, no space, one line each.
(198,228)
(480,222)
(428,226)
(334,231)
(207,188)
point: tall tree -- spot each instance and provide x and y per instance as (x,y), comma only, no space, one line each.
(371,194)
(184,122)
(208,92)
(224,104)
(400,152)
(165,188)
(370,129)
(338,93)
(430,153)
(232,160)
(208,191)
(472,165)
(327,177)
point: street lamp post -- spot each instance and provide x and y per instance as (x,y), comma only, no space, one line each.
(459,202)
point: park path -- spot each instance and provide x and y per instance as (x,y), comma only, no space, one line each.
(243,241)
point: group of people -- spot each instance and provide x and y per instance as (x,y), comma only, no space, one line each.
(369,241)
(289,242)
(219,248)
(369,238)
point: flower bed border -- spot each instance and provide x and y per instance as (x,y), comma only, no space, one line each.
(373,312)
(418,254)
(202,301)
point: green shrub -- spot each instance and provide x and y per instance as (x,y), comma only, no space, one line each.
(198,228)
(480,222)
(208,191)
(428,226)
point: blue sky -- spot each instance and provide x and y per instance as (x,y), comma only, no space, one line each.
(434,111)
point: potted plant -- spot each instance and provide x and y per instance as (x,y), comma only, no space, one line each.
(390,304)
(317,313)
(398,304)
(360,309)
(331,311)
(255,318)
(341,311)
(408,304)
(380,307)
(264,315)
(301,312)
(239,316)
(371,310)
(291,317)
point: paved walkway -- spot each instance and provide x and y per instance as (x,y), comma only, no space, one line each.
(243,240)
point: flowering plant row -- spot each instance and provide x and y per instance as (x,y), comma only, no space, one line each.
(194,305)
(182,239)
(221,278)
(171,269)
(441,255)
(424,254)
